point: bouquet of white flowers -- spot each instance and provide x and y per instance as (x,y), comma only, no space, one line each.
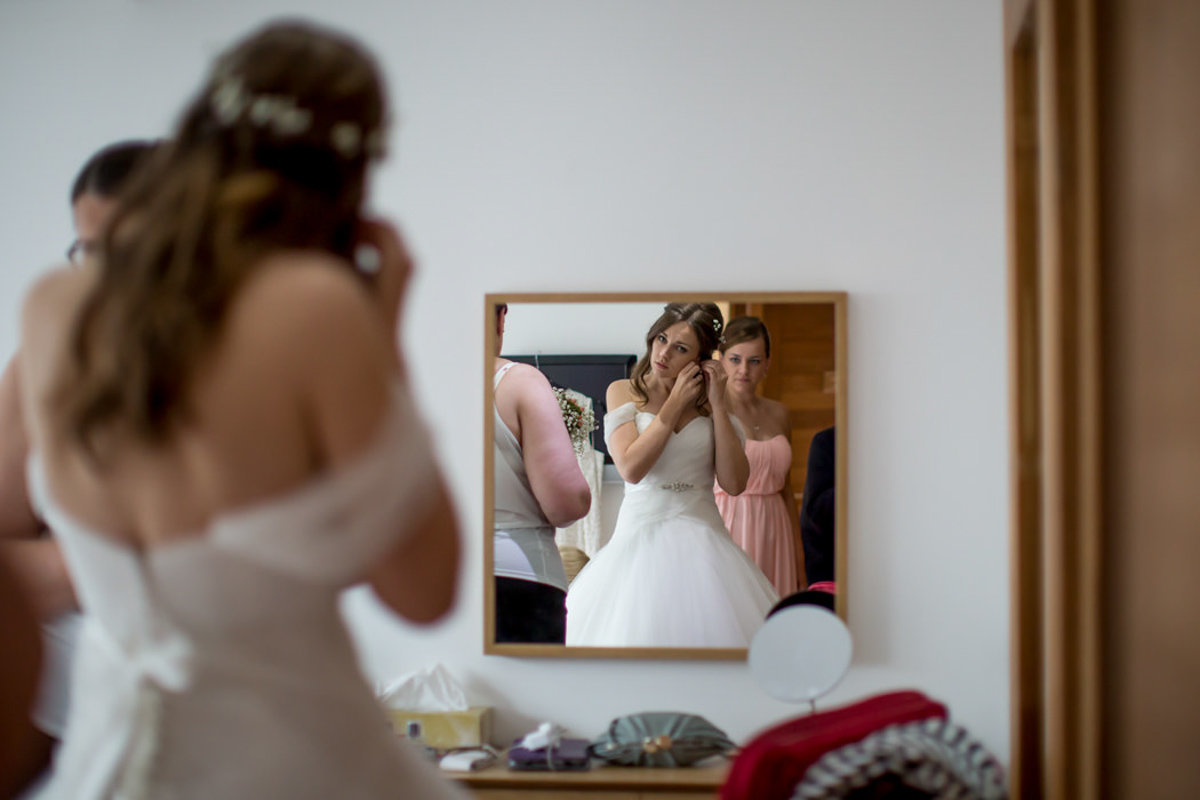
(578,416)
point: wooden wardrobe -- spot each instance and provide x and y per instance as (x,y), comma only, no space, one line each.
(1103,144)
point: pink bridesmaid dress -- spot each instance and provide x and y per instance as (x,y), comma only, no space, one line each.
(758,517)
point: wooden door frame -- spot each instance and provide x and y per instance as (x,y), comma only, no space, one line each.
(1054,369)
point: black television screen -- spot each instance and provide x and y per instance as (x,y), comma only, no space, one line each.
(589,375)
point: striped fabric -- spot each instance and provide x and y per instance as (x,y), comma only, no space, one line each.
(930,758)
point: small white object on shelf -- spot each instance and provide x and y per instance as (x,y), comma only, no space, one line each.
(467,760)
(547,735)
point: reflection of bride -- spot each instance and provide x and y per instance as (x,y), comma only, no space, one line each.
(671,576)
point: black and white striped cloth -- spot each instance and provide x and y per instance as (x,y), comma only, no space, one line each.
(931,758)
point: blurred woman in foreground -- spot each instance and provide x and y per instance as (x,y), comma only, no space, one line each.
(223,438)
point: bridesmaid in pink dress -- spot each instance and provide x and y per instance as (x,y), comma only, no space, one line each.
(763,519)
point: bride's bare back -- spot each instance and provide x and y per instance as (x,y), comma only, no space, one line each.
(297,384)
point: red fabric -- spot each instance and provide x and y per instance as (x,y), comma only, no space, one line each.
(773,762)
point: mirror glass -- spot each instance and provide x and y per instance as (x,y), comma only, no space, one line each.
(800,654)
(671,563)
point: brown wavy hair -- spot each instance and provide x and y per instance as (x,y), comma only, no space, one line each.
(745,329)
(705,320)
(199,217)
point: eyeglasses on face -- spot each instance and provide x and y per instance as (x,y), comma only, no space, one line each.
(80,251)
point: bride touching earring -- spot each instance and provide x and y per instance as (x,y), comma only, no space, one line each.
(223,436)
(670,576)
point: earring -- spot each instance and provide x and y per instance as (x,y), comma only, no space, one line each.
(367,259)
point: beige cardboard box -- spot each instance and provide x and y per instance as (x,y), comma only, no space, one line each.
(444,730)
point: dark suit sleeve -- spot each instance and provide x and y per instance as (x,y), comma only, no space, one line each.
(817,522)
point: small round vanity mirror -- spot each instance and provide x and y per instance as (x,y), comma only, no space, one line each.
(800,653)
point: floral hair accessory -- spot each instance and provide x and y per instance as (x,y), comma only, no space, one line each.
(280,114)
(716,325)
(346,137)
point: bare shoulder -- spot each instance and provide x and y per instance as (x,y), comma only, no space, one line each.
(619,393)
(299,299)
(301,283)
(59,282)
(530,384)
(778,411)
(527,374)
(304,335)
(55,297)
(48,313)
(780,416)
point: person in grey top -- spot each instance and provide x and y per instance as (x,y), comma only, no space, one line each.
(538,487)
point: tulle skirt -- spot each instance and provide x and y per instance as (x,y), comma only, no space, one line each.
(671,576)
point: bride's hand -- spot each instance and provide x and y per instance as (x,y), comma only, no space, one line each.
(688,386)
(384,258)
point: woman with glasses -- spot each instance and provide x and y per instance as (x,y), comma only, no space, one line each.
(25,543)
(94,193)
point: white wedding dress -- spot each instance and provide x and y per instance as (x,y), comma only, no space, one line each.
(219,666)
(670,576)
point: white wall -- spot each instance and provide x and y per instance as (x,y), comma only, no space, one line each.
(578,328)
(631,145)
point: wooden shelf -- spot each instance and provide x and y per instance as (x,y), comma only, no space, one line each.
(599,783)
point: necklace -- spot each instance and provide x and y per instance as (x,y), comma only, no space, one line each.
(751,413)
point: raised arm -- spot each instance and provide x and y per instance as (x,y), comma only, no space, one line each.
(554,475)
(34,558)
(634,453)
(730,464)
(350,367)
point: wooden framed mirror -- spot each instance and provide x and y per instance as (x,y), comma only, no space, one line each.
(581,343)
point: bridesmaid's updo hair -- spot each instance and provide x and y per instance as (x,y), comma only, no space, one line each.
(705,320)
(745,329)
(270,154)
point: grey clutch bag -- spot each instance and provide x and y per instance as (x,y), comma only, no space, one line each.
(660,739)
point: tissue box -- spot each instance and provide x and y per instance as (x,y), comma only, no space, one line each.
(444,730)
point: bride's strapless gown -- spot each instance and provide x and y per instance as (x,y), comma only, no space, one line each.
(219,666)
(670,576)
